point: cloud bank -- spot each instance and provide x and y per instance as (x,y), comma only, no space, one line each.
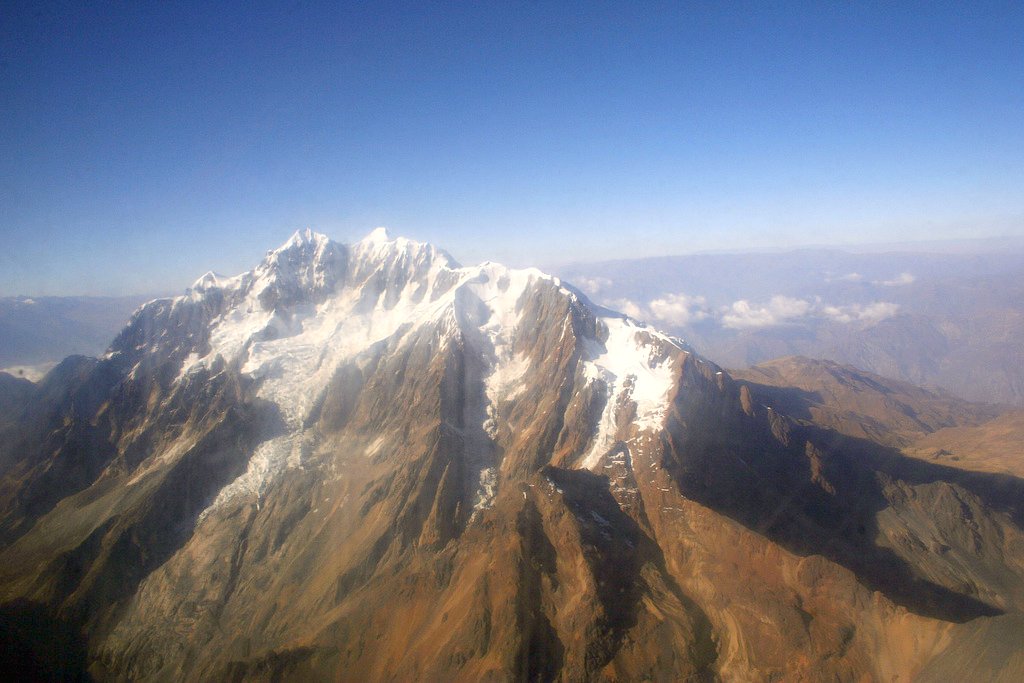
(680,309)
(675,309)
(898,281)
(743,314)
(849,277)
(874,312)
(592,285)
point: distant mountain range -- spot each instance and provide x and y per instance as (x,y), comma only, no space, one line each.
(948,320)
(39,331)
(367,462)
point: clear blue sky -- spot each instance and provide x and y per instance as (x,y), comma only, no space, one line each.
(143,143)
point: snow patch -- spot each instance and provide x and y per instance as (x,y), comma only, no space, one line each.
(268,460)
(628,365)
(486,489)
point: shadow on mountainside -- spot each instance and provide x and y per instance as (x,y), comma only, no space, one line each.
(818,492)
(617,549)
(36,647)
(90,582)
(138,541)
(55,447)
(792,401)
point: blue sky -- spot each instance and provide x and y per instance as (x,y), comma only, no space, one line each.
(142,144)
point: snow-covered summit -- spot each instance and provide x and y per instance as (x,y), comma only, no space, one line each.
(310,268)
(306,267)
(313,302)
(312,305)
(209,280)
(397,259)
(378,236)
(305,236)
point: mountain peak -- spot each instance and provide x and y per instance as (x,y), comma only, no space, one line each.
(382,249)
(208,280)
(305,267)
(378,235)
(302,238)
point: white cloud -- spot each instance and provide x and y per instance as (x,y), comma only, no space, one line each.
(849,277)
(592,285)
(878,310)
(630,308)
(874,312)
(898,281)
(672,309)
(841,314)
(779,309)
(678,309)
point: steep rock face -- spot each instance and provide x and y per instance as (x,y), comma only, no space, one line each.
(366,462)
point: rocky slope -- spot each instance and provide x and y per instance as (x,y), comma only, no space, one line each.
(993,446)
(930,426)
(366,462)
(859,403)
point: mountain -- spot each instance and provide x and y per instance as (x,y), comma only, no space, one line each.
(948,320)
(366,462)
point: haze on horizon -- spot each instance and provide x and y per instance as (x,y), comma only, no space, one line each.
(144,145)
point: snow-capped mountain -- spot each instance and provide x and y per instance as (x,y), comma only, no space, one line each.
(368,462)
(313,305)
